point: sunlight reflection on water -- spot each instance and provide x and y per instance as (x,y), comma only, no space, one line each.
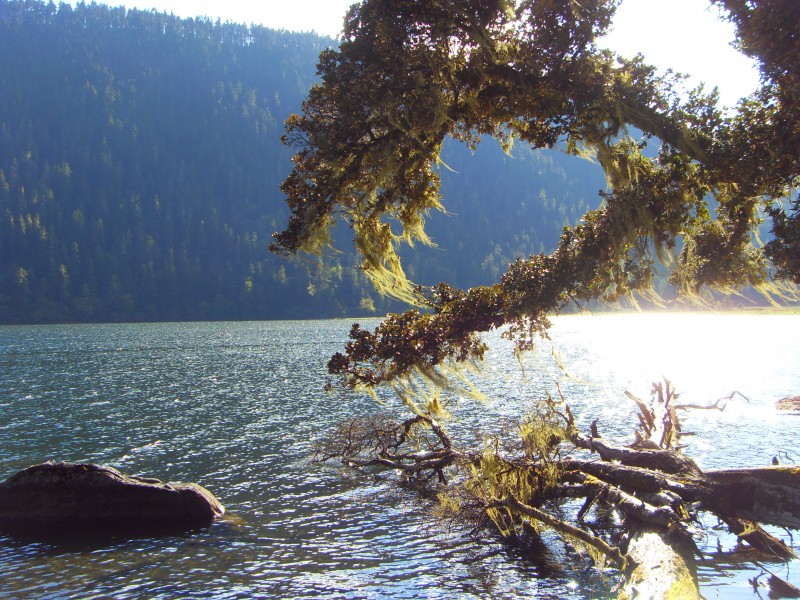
(236,406)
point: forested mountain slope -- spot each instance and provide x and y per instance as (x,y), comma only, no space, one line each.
(140,164)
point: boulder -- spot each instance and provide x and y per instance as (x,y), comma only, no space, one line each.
(85,495)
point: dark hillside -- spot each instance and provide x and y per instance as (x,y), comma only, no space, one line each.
(140,161)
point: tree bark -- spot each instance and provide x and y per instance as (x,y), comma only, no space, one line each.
(769,495)
(665,461)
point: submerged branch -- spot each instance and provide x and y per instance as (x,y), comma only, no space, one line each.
(616,557)
(754,534)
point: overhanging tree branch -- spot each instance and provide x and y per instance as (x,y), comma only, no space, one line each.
(414,73)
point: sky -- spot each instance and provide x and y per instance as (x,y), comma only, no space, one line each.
(685,35)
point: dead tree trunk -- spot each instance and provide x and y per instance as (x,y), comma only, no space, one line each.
(769,495)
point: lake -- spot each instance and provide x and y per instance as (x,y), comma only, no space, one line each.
(236,408)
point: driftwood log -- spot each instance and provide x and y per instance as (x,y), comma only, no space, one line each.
(515,487)
(790,404)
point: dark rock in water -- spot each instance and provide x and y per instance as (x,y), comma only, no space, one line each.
(87,495)
(791,403)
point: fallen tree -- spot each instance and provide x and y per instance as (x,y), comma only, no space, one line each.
(408,75)
(521,486)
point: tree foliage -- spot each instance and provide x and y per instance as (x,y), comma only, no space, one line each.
(409,75)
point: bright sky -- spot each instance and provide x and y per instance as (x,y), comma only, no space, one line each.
(687,36)
(683,34)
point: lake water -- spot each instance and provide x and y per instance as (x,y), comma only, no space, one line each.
(237,406)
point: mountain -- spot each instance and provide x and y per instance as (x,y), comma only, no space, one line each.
(140,164)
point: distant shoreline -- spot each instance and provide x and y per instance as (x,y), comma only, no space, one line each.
(689,310)
(595,312)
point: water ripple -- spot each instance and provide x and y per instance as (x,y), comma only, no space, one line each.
(237,406)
